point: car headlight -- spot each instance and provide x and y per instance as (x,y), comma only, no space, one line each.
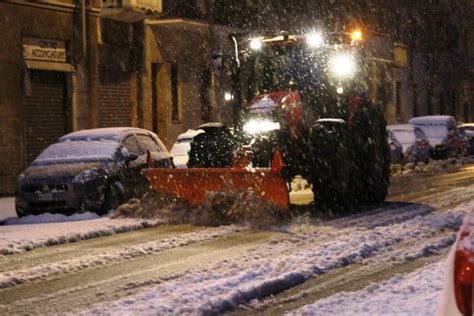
(342,65)
(260,126)
(88,175)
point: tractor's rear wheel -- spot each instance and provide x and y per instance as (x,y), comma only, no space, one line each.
(211,150)
(371,174)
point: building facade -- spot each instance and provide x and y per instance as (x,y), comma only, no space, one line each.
(71,65)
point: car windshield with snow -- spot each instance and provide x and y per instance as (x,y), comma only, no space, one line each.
(77,151)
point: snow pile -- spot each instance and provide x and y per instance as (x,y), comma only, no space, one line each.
(416,293)
(431,167)
(20,238)
(50,218)
(282,264)
(221,208)
(299,184)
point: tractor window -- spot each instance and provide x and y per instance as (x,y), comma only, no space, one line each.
(284,67)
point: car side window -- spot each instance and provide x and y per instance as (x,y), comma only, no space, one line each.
(131,144)
(147,143)
(419,134)
(451,128)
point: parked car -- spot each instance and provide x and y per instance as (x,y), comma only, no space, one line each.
(181,147)
(212,149)
(396,150)
(457,298)
(92,170)
(443,135)
(415,145)
(467,130)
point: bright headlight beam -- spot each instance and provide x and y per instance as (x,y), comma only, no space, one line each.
(260,126)
(255,44)
(342,65)
(314,40)
(228,96)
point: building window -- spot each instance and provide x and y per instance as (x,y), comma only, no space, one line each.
(454,100)
(415,100)
(154,96)
(205,100)
(429,101)
(398,100)
(442,107)
(175,108)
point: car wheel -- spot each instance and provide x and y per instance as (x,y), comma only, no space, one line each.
(114,196)
(20,212)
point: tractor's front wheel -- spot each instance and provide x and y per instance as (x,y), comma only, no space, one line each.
(331,167)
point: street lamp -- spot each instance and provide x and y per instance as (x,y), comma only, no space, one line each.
(356,35)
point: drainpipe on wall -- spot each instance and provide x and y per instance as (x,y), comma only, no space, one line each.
(90,55)
(214,80)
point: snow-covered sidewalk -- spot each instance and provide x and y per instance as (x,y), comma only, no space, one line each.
(30,232)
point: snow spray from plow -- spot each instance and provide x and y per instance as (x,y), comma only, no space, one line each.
(193,185)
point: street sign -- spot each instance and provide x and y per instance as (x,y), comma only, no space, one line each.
(44,49)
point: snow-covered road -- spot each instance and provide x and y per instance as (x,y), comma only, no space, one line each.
(185,269)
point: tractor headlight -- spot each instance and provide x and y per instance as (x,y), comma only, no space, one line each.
(256,44)
(314,40)
(260,126)
(342,65)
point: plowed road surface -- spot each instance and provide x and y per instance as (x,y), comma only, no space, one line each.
(190,269)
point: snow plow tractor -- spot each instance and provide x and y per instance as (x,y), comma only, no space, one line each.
(308,114)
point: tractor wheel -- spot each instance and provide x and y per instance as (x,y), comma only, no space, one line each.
(211,150)
(331,169)
(371,155)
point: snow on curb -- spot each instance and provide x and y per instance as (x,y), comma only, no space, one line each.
(230,283)
(432,167)
(49,218)
(416,293)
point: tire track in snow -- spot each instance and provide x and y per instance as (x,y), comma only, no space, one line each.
(15,277)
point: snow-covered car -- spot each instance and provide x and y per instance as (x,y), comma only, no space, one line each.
(457,298)
(467,129)
(415,145)
(181,147)
(92,170)
(442,134)
(396,150)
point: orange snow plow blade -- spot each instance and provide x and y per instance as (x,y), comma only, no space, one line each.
(193,184)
